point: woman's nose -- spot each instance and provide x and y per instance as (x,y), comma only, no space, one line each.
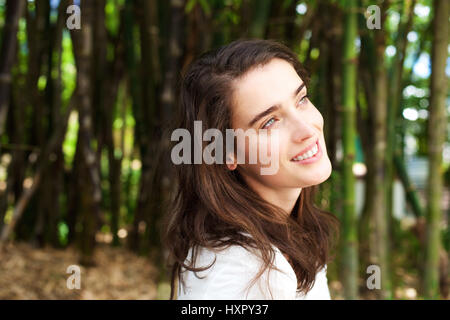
(302,129)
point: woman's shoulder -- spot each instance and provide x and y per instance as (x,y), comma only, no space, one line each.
(232,256)
(224,255)
(231,272)
(238,256)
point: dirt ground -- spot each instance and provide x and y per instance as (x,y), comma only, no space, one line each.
(30,273)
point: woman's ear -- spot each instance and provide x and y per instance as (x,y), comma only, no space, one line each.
(231,162)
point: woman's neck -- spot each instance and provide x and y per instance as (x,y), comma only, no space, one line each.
(284,198)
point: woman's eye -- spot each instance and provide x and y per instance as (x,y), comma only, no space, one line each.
(303,100)
(268,123)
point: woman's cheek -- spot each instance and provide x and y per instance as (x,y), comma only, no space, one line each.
(269,144)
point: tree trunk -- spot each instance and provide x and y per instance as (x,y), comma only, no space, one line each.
(394,98)
(365,129)
(258,25)
(37,42)
(161,179)
(380,239)
(349,233)
(281,15)
(89,172)
(113,99)
(436,138)
(141,137)
(14,9)
(46,229)
(199,35)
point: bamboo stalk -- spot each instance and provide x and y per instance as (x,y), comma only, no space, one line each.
(350,239)
(436,137)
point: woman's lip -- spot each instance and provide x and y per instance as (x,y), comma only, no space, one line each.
(313,159)
(306,149)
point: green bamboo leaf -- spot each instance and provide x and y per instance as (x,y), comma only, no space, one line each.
(205,6)
(190,5)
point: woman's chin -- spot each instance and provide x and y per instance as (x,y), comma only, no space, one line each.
(312,178)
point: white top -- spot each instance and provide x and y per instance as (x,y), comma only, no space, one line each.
(234,269)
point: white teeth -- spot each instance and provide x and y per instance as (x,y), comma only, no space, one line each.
(307,154)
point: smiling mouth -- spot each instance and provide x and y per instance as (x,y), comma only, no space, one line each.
(309,153)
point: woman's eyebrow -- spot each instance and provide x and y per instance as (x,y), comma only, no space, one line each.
(274,107)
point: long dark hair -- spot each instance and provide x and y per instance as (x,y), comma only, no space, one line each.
(213,206)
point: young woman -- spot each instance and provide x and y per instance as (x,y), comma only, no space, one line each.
(234,233)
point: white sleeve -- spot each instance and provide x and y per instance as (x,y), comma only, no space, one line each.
(234,272)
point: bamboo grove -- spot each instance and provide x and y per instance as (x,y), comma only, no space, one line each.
(83,113)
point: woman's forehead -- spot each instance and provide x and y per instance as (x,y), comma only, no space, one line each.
(276,77)
(263,87)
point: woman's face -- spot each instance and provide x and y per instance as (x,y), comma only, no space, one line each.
(299,124)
